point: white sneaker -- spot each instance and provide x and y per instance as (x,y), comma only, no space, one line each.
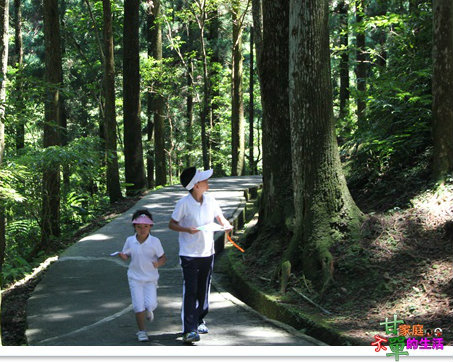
(149,315)
(142,336)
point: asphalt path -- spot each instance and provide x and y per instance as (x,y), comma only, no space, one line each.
(83,298)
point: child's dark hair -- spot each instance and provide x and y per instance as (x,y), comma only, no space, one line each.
(142,212)
(187,175)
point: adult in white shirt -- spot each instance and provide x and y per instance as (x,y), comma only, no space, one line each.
(196,248)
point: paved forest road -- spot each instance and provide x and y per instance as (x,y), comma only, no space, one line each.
(83,298)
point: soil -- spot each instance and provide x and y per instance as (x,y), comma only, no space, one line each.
(402,264)
(14,298)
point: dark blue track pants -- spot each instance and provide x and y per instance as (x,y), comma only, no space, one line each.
(197,274)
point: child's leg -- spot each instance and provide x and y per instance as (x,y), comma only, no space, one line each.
(150,291)
(138,302)
(189,313)
(204,286)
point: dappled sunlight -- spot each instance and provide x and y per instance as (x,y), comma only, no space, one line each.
(97,237)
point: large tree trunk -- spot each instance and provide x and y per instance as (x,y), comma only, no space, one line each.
(277,198)
(4,18)
(344,60)
(441,88)
(50,218)
(237,106)
(324,209)
(133,148)
(361,67)
(158,101)
(113,177)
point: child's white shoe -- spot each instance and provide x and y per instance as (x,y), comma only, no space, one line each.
(142,336)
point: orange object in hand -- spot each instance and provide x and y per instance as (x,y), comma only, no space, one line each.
(232,242)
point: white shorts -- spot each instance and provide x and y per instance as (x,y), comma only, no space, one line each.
(144,295)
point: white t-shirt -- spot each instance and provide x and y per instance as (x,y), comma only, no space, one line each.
(190,213)
(142,255)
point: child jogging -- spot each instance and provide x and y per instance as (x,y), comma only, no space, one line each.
(196,248)
(147,255)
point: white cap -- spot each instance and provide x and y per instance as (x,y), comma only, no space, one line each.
(199,176)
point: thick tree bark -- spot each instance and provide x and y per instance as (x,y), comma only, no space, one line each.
(237,104)
(133,148)
(324,209)
(158,101)
(277,197)
(344,60)
(441,88)
(113,178)
(50,217)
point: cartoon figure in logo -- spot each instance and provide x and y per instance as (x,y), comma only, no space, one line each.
(438,332)
(428,333)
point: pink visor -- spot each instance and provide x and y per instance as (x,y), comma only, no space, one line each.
(143,219)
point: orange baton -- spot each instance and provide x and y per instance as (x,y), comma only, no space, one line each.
(232,242)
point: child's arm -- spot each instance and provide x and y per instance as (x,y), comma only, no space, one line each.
(160,261)
(174,225)
(123,256)
(224,222)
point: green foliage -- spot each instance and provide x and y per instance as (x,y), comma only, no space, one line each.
(395,139)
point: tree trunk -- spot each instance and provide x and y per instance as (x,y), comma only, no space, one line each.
(216,62)
(113,177)
(206,105)
(361,68)
(277,198)
(158,101)
(252,164)
(237,106)
(20,128)
(344,60)
(441,88)
(133,148)
(4,22)
(190,143)
(150,152)
(50,218)
(324,209)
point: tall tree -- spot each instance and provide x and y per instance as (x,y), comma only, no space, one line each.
(252,164)
(200,12)
(4,19)
(133,148)
(19,52)
(442,84)
(272,64)
(361,67)
(237,104)
(150,154)
(113,177)
(50,217)
(323,205)
(158,100)
(344,60)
